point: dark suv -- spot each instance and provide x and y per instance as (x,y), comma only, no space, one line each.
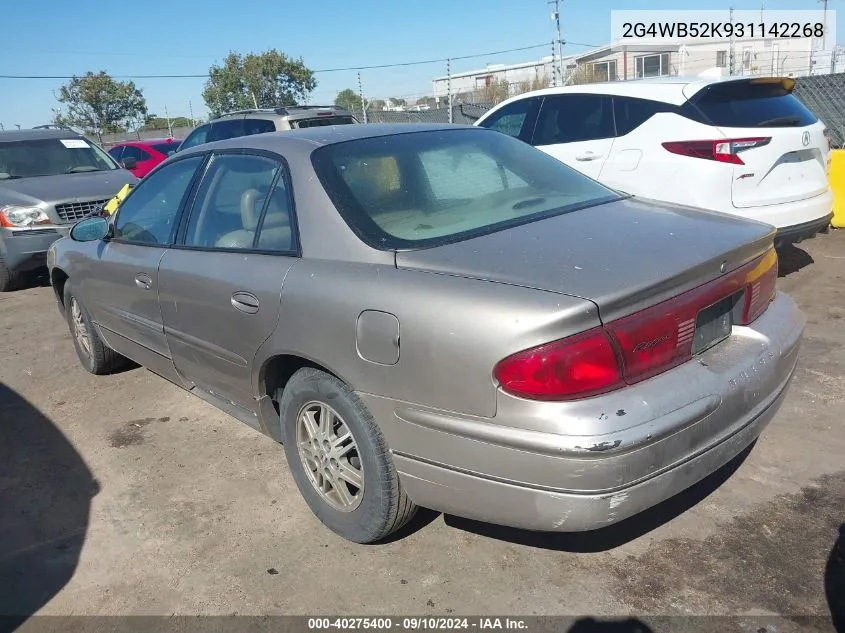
(258,121)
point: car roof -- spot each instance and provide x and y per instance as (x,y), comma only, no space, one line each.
(324,135)
(674,90)
(30,135)
(150,141)
(292,111)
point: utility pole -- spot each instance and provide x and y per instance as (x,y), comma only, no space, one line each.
(824,26)
(361,94)
(557,58)
(731,54)
(191,112)
(449,87)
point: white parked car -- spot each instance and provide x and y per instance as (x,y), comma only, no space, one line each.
(743,146)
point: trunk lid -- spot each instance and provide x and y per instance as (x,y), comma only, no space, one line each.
(623,256)
(791,160)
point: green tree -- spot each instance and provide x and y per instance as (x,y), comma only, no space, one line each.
(398,101)
(429,101)
(377,105)
(270,79)
(349,100)
(97,104)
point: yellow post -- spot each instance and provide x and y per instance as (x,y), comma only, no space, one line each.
(837,184)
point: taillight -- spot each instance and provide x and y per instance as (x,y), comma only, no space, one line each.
(637,346)
(723,150)
(578,366)
(761,282)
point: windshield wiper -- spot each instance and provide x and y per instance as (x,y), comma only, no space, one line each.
(785,121)
(82,168)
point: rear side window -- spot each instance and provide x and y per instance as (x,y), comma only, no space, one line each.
(325,120)
(258,126)
(751,103)
(514,119)
(631,113)
(574,118)
(221,130)
(230,201)
(165,148)
(130,151)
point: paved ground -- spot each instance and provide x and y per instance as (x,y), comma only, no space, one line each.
(123,494)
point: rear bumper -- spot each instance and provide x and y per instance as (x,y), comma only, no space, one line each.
(788,215)
(27,249)
(799,232)
(583,465)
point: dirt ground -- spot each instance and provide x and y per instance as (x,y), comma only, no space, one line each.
(125,495)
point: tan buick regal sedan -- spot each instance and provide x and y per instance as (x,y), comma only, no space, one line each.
(440,316)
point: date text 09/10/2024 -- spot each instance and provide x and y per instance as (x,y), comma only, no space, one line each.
(716,30)
(421,623)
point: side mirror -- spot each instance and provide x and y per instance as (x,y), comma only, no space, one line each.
(130,163)
(90,230)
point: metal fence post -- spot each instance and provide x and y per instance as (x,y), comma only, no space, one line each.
(449,87)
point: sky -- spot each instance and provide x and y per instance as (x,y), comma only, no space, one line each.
(154,37)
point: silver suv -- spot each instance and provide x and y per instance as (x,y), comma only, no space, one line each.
(258,121)
(49,179)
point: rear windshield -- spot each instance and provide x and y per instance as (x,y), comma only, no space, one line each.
(50,157)
(323,120)
(750,104)
(166,148)
(426,188)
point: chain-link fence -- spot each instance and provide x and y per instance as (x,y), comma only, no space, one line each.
(825,96)
(463,113)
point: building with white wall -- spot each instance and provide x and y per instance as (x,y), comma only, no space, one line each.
(763,56)
(621,61)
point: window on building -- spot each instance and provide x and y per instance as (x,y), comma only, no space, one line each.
(653,65)
(603,71)
(722,59)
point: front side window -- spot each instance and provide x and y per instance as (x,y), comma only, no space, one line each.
(512,119)
(197,137)
(574,118)
(423,188)
(148,215)
(230,201)
(51,157)
(131,151)
(115,152)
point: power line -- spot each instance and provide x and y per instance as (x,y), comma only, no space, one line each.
(322,70)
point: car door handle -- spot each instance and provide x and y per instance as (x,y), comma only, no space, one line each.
(588,156)
(144,281)
(245,302)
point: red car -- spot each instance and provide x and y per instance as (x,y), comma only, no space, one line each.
(140,157)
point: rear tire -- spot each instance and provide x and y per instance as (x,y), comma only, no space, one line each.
(94,355)
(9,279)
(342,465)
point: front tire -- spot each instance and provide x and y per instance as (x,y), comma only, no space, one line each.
(340,460)
(94,355)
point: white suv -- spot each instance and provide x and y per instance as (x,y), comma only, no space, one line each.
(746,146)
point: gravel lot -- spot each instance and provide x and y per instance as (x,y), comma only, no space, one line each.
(125,495)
